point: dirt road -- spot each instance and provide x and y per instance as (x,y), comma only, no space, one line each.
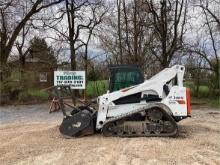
(29,135)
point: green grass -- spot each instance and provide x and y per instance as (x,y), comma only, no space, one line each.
(189,84)
(203,95)
(96,88)
(38,93)
(33,94)
(203,90)
(212,102)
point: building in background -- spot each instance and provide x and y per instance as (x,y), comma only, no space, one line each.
(37,73)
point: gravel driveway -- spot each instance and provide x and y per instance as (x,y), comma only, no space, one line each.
(30,135)
(28,113)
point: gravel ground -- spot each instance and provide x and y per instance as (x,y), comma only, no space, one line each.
(28,113)
(30,135)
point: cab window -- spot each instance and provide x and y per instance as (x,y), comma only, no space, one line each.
(125,78)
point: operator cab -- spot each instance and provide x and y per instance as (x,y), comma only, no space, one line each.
(123,76)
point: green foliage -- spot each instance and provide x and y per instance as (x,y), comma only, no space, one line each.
(189,84)
(24,96)
(203,90)
(205,95)
(212,102)
(96,88)
(38,94)
(92,75)
(33,94)
(40,49)
(10,89)
(214,84)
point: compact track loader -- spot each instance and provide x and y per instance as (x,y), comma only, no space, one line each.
(133,107)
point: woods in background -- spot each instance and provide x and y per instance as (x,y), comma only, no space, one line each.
(91,34)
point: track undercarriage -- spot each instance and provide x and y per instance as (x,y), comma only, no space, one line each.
(152,122)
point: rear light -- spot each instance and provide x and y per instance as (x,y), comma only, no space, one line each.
(188,102)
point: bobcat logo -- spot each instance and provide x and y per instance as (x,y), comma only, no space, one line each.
(77,125)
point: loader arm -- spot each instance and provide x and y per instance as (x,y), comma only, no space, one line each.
(155,85)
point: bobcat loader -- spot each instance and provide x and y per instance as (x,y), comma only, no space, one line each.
(133,107)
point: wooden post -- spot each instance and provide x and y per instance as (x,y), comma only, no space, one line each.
(54,106)
(84,94)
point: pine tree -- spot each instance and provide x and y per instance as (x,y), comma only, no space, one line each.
(40,49)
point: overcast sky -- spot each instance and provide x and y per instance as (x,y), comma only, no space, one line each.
(194,30)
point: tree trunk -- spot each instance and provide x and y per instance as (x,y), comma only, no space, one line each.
(197,83)
(164,63)
(4,58)
(22,68)
(126,28)
(75,92)
(119,30)
(86,67)
(73,56)
(135,33)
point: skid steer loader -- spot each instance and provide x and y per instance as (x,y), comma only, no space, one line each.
(133,107)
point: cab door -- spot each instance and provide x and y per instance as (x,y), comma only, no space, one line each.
(123,77)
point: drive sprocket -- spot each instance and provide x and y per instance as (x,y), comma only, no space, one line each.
(154,114)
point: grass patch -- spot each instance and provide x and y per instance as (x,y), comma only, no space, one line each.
(189,84)
(203,95)
(33,95)
(96,88)
(203,90)
(38,93)
(215,103)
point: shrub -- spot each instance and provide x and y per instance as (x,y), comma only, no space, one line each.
(203,91)
(42,95)
(24,96)
(10,89)
(191,86)
(96,88)
(33,95)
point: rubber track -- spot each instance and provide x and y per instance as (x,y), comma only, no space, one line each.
(173,134)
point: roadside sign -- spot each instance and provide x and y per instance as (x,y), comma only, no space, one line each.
(74,79)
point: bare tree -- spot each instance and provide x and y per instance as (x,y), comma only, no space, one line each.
(168,22)
(126,28)
(215,15)
(22,50)
(196,72)
(134,34)
(79,16)
(207,46)
(97,18)
(9,31)
(119,30)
